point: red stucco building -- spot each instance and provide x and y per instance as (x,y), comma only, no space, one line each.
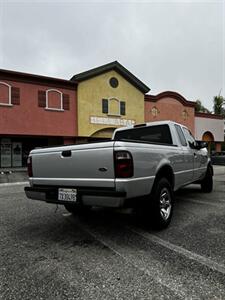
(34,111)
(170,106)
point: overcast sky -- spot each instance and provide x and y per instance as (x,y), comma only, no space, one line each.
(169,45)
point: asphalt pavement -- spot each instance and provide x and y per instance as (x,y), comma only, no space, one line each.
(47,253)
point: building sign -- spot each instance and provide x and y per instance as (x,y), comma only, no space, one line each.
(17,154)
(6,153)
(111,121)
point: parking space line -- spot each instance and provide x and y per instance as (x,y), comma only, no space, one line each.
(67,214)
(180,250)
(219,202)
(97,236)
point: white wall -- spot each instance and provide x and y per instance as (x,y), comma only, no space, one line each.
(215,126)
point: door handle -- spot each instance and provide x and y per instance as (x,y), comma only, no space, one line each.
(66,153)
(103,169)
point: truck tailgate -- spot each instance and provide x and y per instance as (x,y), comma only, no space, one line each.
(89,165)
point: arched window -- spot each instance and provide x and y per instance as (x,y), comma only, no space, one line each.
(113,107)
(5,94)
(208,137)
(54,100)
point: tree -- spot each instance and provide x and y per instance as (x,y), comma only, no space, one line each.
(200,108)
(219,101)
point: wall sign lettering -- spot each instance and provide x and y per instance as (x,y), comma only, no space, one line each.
(111,121)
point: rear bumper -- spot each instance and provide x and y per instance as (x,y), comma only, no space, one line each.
(90,197)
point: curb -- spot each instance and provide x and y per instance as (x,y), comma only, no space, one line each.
(14,183)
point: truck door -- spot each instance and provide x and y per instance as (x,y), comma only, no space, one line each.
(185,175)
(195,153)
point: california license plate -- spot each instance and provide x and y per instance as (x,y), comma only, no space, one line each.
(69,195)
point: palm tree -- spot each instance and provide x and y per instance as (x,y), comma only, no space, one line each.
(200,108)
(219,101)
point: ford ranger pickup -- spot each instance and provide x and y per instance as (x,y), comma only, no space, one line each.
(140,167)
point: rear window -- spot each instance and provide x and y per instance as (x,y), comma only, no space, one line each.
(159,134)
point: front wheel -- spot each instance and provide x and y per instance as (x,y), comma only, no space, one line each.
(159,206)
(207,182)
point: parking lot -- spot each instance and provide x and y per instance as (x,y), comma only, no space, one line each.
(47,253)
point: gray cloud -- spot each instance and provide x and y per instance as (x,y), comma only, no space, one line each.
(168,45)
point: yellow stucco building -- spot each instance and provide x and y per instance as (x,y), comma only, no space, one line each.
(108,97)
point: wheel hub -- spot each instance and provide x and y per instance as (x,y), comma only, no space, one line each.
(165,203)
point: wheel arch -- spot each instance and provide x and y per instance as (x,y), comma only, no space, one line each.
(165,171)
(210,167)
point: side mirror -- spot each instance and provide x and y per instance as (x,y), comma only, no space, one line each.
(192,145)
(198,145)
(201,145)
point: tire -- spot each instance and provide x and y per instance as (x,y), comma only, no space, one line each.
(160,205)
(207,182)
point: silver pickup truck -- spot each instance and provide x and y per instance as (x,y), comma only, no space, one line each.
(140,167)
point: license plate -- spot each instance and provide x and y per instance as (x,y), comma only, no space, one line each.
(69,195)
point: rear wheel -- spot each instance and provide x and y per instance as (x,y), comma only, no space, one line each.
(207,182)
(158,212)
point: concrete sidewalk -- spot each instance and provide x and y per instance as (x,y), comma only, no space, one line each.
(10,176)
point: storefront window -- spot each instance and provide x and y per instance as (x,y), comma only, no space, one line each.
(16,154)
(14,151)
(6,153)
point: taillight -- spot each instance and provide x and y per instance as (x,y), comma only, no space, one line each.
(29,166)
(123,164)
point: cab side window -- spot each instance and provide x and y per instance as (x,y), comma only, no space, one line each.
(181,135)
(189,136)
